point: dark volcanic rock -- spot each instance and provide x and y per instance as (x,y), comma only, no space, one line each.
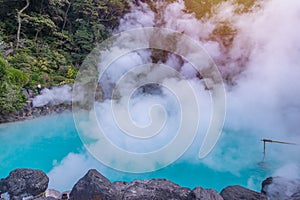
(295,196)
(24,182)
(265,185)
(93,186)
(279,188)
(155,189)
(238,193)
(30,112)
(200,193)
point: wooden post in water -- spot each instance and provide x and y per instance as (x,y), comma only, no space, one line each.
(274,141)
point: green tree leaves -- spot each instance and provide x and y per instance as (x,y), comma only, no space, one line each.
(3,67)
(11,82)
(53,40)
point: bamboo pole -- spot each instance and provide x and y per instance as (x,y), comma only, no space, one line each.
(274,141)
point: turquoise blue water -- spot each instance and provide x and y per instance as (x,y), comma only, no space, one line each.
(37,143)
(44,142)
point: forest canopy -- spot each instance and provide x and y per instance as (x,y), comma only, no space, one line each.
(45,41)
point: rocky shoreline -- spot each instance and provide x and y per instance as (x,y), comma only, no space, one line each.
(28,184)
(30,112)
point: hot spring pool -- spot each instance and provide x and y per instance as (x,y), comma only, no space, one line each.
(51,144)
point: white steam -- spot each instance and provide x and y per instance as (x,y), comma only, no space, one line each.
(261,67)
(54,96)
(70,170)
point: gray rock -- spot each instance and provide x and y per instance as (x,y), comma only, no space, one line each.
(24,182)
(65,195)
(200,193)
(295,196)
(265,185)
(155,189)
(279,188)
(46,198)
(53,193)
(238,193)
(93,186)
(26,93)
(29,112)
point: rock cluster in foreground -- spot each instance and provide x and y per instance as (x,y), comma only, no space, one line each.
(25,184)
(22,183)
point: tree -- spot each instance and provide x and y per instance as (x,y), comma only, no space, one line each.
(40,22)
(66,15)
(20,22)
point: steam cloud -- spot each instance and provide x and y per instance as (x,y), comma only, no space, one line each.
(260,68)
(55,96)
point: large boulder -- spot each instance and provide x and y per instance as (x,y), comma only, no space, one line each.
(93,186)
(155,189)
(23,183)
(238,193)
(200,193)
(279,188)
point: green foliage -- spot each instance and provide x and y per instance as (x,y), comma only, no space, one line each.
(10,98)
(16,77)
(11,82)
(203,8)
(3,67)
(2,43)
(39,23)
(72,26)
(55,37)
(71,74)
(21,60)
